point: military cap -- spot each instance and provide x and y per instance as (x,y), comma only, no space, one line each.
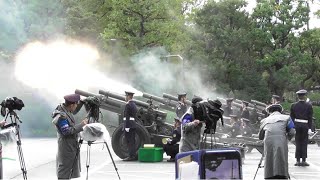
(196,99)
(129,93)
(182,94)
(301,92)
(229,99)
(276,96)
(72,98)
(274,106)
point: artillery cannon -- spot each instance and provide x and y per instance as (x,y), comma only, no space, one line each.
(174,98)
(151,125)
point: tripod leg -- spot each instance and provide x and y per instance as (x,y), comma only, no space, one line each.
(1,170)
(88,158)
(22,162)
(112,159)
(211,140)
(259,166)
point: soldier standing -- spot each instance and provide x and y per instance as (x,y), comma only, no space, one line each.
(228,110)
(130,111)
(301,113)
(235,128)
(181,107)
(68,157)
(245,112)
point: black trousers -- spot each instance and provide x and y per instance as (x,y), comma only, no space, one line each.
(171,149)
(301,139)
(131,141)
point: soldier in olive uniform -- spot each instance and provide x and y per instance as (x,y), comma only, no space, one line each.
(130,126)
(245,112)
(68,157)
(181,107)
(301,113)
(246,128)
(235,128)
(228,108)
(172,145)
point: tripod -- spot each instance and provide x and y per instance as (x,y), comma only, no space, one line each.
(259,166)
(15,122)
(211,131)
(89,143)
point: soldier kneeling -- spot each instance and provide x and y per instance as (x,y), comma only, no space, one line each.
(171,148)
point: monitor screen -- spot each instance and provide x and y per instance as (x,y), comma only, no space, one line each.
(225,165)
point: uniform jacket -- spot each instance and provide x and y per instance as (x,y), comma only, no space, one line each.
(176,136)
(302,110)
(130,112)
(67,132)
(274,131)
(181,109)
(191,133)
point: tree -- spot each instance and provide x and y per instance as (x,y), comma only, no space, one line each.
(143,24)
(274,35)
(308,64)
(226,42)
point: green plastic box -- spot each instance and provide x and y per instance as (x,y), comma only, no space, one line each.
(154,154)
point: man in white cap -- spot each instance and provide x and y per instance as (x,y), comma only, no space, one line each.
(68,157)
(301,113)
(275,130)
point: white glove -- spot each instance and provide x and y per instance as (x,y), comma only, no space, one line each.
(127,129)
(310,132)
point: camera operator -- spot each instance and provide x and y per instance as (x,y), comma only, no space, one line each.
(68,157)
(275,130)
(191,129)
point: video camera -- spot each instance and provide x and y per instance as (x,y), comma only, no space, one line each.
(11,103)
(209,112)
(92,105)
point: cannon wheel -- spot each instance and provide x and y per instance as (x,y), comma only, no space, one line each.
(119,143)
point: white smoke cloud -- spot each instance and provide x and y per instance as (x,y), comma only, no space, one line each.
(158,75)
(60,67)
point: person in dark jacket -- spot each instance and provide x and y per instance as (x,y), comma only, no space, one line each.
(182,106)
(245,112)
(130,112)
(301,113)
(228,110)
(171,148)
(68,157)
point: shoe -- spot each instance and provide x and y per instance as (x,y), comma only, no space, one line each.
(171,160)
(305,164)
(130,159)
(297,164)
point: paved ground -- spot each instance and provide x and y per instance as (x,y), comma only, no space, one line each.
(40,161)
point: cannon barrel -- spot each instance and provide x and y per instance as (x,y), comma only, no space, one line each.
(259,103)
(174,98)
(122,98)
(112,105)
(167,102)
